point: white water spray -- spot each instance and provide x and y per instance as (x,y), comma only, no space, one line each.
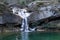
(23,14)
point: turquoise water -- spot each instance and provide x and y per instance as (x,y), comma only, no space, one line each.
(33,36)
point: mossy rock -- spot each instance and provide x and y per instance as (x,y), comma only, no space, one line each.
(2,7)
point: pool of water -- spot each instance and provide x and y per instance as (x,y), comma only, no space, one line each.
(33,36)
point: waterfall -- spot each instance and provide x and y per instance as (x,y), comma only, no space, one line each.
(23,14)
(24,27)
(24,33)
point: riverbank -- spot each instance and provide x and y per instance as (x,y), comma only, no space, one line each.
(38,30)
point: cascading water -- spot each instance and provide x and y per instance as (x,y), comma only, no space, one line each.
(24,25)
(23,14)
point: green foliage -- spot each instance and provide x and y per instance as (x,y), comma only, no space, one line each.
(2,8)
(38,3)
(59,1)
(23,3)
(33,0)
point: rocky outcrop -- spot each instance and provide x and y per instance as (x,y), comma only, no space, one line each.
(6,15)
(39,14)
(36,15)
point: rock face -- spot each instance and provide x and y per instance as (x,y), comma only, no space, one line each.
(42,11)
(37,14)
(39,10)
(9,18)
(6,15)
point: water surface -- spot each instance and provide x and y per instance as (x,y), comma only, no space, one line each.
(32,36)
